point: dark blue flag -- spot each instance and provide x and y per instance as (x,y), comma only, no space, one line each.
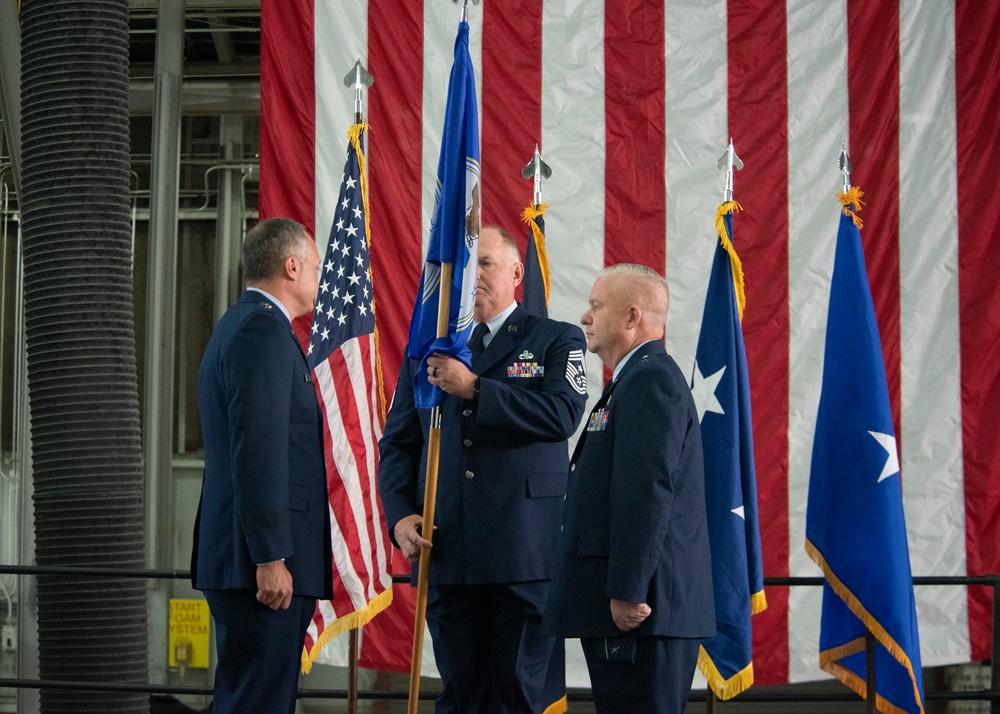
(454,238)
(535,290)
(855,530)
(721,387)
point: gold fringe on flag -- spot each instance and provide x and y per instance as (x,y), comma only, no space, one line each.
(724,688)
(852,197)
(530,216)
(758,603)
(727,245)
(354,134)
(828,659)
(343,624)
(559,706)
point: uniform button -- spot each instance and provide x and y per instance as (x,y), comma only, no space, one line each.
(565,496)
(466,412)
(469,475)
(562,529)
(572,467)
(467,442)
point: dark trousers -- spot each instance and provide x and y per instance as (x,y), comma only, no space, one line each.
(659,682)
(488,650)
(260,652)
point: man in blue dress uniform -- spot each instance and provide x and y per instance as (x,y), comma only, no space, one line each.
(501,484)
(633,577)
(262,536)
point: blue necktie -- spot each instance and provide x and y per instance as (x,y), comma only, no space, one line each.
(476,341)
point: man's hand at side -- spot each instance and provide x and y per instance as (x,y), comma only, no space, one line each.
(274,585)
(629,615)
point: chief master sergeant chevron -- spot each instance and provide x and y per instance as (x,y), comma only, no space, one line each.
(633,578)
(501,484)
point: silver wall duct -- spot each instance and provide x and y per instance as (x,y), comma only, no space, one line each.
(83,397)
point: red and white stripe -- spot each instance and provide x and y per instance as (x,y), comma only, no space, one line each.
(632,103)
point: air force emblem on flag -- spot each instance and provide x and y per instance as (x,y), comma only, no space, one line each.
(576,371)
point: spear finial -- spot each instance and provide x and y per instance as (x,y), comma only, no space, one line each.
(727,162)
(845,165)
(465,8)
(358,78)
(537,170)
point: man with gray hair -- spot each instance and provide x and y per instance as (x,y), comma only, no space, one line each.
(262,535)
(501,481)
(633,575)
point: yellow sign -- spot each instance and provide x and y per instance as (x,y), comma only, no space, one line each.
(188,641)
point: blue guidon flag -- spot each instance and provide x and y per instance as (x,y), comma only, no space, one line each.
(855,530)
(721,387)
(454,235)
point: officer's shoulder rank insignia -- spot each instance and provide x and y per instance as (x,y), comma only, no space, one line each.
(576,371)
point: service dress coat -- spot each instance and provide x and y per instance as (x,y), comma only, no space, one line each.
(264,495)
(635,525)
(504,456)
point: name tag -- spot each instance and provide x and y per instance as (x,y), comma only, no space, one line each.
(526,369)
(598,420)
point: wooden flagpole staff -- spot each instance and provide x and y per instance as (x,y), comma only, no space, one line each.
(430,499)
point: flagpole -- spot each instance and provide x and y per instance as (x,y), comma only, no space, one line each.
(434,436)
(871,692)
(352,671)
(871,688)
(430,500)
(357,79)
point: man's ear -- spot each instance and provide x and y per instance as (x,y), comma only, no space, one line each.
(633,316)
(518,274)
(292,267)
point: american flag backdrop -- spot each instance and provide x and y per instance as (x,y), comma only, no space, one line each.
(631,103)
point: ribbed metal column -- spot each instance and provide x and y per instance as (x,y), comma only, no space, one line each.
(83,397)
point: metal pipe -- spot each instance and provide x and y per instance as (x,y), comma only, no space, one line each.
(162,271)
(10,84)
(229,215)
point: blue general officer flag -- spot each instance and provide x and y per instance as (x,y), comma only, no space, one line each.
(721,387)
(855,529)
(454,235)
(535,290)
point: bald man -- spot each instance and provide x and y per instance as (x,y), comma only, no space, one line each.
(633,573)
(501,482)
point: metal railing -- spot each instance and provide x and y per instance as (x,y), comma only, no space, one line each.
(753,695)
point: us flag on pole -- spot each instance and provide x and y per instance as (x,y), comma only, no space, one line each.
(343,357)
